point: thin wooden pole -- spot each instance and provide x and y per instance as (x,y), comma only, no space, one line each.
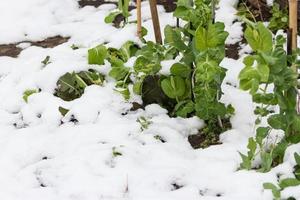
(139,18)
(155,21)
(293,29)
(293,20)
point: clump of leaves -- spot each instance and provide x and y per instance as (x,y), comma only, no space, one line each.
(144,122)
(71,85)
(197,13)
(195,81)
(287,182)
(46,61)
(117,58)
(122,10)
(276,190)
(279,19)
(29,92)
(115,152)
(74,47)
(270,66)
(63,111)
(194,86)
(245,12)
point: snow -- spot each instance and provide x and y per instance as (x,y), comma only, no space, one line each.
(226,13)
(44,155)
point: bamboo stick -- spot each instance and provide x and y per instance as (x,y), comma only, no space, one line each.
(155,21)
(139,18)
(292,43)
(293,18)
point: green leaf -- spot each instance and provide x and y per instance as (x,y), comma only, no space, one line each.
(251,147)
(111,17)
(70,86)
(46,61)
(137,87)
(182,12)
(173,38)
(115,152)
(125,7)
(181,70)
(259,37)
(185,3)
(277,121)
(97,55)
(264,72)
(246,162)
(297,158)
(275,190)
(184,108)
(144,31)
(289,182)
(27,93)
(261,133)
(173,87)
(266,161)
(91,77)
(296,123)
(211,37)
(63,111)
(128,50)
(124,92)
(145,66)
(118,73)
(152,93)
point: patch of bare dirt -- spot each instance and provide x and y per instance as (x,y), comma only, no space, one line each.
(95,3)
(50,42)
(259,9)
(169,5)
(232,51)
(12,50)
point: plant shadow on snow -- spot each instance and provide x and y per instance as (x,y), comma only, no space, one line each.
(13,50)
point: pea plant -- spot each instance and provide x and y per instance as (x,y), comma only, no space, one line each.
(193,87)
(71,86)
(195,81)
(279,19)
(117,59)
(285,183)
(272,82)
(194,84)
(122,10)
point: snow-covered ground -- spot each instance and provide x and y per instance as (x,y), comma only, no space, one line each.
(106,155)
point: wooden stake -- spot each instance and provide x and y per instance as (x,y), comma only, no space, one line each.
(139,18)
(292,33)
(293,20)
(155,21)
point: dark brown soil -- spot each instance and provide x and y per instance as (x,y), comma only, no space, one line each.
(94,3)
(205,138)
(169,5)
(232,51)
(51,42)
(199,141)
(259,9)
(136,106)
(12,50)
